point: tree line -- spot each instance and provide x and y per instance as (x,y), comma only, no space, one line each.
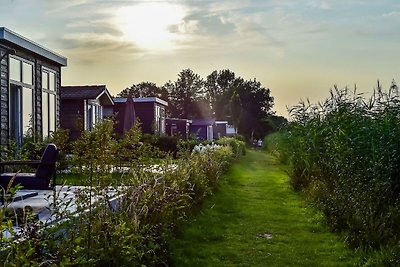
(222,95)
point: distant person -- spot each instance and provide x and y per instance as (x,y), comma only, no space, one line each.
(259,143)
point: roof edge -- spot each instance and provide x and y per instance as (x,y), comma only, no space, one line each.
(23,42)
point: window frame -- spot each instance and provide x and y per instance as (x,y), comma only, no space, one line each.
(51,121)
(20,86)
(95,115)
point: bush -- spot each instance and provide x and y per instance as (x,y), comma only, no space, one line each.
(238,146)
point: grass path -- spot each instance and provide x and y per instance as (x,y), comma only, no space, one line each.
(254,219)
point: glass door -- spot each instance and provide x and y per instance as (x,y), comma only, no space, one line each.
(21,111)
(16,113)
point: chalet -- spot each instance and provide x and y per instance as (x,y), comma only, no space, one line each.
(220,129)
(30,86)
(178,127)
(203,129)
(149,110)
(82,107)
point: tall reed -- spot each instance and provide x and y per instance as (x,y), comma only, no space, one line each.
(344,153)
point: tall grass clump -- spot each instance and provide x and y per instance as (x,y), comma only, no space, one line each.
(344,153)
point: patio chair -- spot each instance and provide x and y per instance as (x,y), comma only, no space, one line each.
(45,170)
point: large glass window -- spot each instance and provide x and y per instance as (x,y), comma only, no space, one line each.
(159,120)
(27,73)
(21,98)
(15,69)
(162,120)
(49,100)
(94,114)
(45,113)
(27,109)
(52,112)
(52,81)
(45,80)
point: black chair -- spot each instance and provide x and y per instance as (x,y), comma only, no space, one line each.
(45,170)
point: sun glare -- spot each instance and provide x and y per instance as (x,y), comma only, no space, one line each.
(148,25)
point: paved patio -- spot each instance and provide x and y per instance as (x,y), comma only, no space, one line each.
(41,202)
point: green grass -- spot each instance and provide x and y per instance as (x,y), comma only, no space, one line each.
(254,199)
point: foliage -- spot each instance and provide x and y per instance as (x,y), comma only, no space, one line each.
(238,146)
(219,88)
(145,89)
(185,96)
(274,143)
(154,198)
(275,123)
(344,154)
(223,96)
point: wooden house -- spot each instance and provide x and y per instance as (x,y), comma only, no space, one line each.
(82,107)
(30,85)
(178,127)
(203,129)
(149,110)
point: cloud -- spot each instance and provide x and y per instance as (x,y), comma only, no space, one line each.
(392,14)
(92,48)
(323,5)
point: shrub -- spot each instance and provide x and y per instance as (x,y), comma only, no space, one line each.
(238,146)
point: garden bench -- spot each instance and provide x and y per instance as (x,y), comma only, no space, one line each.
(40,180)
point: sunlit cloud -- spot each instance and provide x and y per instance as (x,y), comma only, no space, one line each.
(148,24)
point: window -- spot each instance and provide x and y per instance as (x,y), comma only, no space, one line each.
(174,130)
(15,69)
(162,120)
(21,98)
(49,100)
(159,120)
(94,114)
(27,73)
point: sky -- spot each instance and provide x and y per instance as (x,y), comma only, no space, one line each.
(299,49)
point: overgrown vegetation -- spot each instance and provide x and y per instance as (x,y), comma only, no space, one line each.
(344,154)
(154,197)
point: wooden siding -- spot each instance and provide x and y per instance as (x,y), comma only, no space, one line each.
(71,112)
(38,62)
(145,112)
(4,98)
(182,127)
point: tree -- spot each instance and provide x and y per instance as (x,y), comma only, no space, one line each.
(145,89)
(257,105)
(219,88)
(236,109)
(186,96)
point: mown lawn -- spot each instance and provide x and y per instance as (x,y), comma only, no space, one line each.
(256,220)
